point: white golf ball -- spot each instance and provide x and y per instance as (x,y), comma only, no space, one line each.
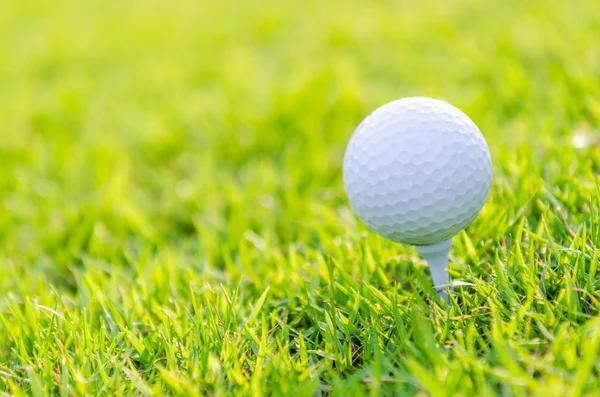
(417,171)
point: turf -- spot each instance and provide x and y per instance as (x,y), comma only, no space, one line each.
(173,220)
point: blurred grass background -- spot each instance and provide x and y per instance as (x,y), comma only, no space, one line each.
(165,162)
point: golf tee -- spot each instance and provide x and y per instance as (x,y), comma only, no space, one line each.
(436,256)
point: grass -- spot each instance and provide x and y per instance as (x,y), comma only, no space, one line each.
(173,221)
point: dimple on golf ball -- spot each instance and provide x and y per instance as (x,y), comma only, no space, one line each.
(417,171)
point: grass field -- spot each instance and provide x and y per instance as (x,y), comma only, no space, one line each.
(173,219)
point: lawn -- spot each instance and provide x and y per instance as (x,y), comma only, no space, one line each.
(173,219)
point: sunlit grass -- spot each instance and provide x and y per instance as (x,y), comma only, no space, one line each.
(173,221)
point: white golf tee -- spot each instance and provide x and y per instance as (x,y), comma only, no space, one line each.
(436,256)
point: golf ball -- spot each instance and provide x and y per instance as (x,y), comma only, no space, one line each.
(417,171)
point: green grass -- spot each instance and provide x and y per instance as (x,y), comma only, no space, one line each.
(173,220)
